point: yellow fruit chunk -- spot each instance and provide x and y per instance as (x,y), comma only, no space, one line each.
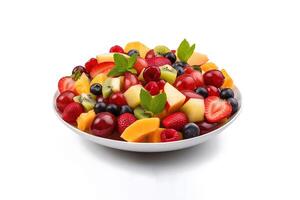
(143,49)
(132,95)
(155,136)
(108,57)
(228,82)
(82,85)
(100,78)
(208,66)
(197,59)
(85,120)
(140,129)
(194,109)
(175,99)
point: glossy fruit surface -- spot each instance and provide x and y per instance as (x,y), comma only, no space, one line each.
(179,64)
(82,85)
(226,93)
(124,121)
(130,80)
(213,91)
(234,104)
(161,84)
(179,70)
(133,51)
(113,108)
(116,49)
(151,73)
(66,83)
(228,82)
(96,89)
(191,94)
(158,61)
(152,88)
(103,124)
(206,127)
(202,91)
(64,99)
(216,109)
(100,107)
(125,109)
(175,121)
(185,82)
(104,67)
(150,54)
(214,77)
(117,99)
(77,71)
(198,77)
(72,112)
(171,56)
(170,135)
(90,64)
(190,130)
(140,64)
(208,66)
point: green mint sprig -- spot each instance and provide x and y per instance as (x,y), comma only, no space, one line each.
(185,51)
(122,65)
(155,104)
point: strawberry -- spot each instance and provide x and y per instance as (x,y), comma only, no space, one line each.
(170,135)
(175,121)
(72,112)
(66,83)
(89,65)
(124,121)
(216,109)
(158,61)
(104,67)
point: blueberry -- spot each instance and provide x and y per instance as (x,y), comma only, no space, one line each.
(234,104)
(96,89)
(125,109)
(202,91)
(190,130)
(100,107)
(133,51)
(226,93)
(171,56)
(113,108)
(179,64)
(179,70)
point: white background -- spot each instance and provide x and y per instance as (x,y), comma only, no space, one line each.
(257,157)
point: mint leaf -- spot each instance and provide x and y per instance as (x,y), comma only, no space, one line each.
(116,71)
(132,60)
(158,103)
(132,70)
(122,65)
(185,51)
(120,60)
(146,99)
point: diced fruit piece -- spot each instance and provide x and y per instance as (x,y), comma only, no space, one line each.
(228,82)
(104,68)
(170,135)
(151,73)
(125,109)
(85,120)
(152,88)
(206,127)
(118,99)
(66,83)
(185,82)
(216,109)
(234,104)
(116,84)
(64,99)
(109,57)
(212,91)
(72,112)
(130,80)
(113,108)
(194,109)
(214,77)
(150,54)
(154,137)
(132,95)
(103,124)
(88,101)
(100,107)
(140,64)
(100,78)
(171,56)
(90,64)
(143,49)
(161,50)
(175,121)
(226,93)
(158,61)
(191,94)
(175,99)
(168,73)
(132,52)
(141,77)
(82,85)
(124,121)
(197,76)
(141,113)
(202,91)
(197,59)
(208,66)
(190,130)
(107,88)
(96,89)
(140,128)
(116,49)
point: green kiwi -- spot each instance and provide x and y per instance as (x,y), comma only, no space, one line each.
(141,113)
(76,99)
(161,50)
(88,101)
(107,88)
(168,73)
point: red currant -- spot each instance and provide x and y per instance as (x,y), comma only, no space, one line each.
(152,87)
(116,49)
(214,77)
(151,73)
(213,91)
(117,99)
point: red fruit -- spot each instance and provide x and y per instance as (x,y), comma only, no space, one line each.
(103,124)
(104,67)
(66,83)
(214,77)
(173,51)
(124,121)
(150,54)
(188,70)
(206,127)
(169,135)
(213,91)
(64,99)
(151,73)
(175,121)
(90,64)
(140,64)
(185,82)
(161,84)
(116,49)
(152,87)
(72,112)
(197,76)
(191,94)
(130,80)
(216,109)
(158,61)
(118,99)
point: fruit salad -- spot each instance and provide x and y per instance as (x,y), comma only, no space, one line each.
(139,94)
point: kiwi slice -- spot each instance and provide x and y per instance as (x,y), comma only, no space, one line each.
(161,50)
(168,73)
(76,99)
(141,113)
(107,88)
(88,101)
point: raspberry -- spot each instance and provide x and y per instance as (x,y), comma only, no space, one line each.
(170,135)
(124,121)
(116,49)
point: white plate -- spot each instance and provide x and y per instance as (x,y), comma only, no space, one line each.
(151,147)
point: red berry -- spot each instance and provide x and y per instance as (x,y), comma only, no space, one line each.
(197,76)
(64,99)
(152,87)
(173,51)
(104,67)
(188,70)
(72,112)
(214,77)
(116,49)
(190,94)
(103,124)
(140,64)
(90,64)
(117,99)
(130,80)
(175,121)
(169,135)
(151,73)
(124,121)
(213,91)
(216,109)
(150,54)
(66,83)
(161,84)
(185,82)
(158,61)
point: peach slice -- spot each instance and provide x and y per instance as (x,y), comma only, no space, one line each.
(197,59)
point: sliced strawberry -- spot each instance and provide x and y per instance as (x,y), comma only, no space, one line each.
(140,64)
(104,67)
(90,64)
(158,61)
(216,109)
(66,83)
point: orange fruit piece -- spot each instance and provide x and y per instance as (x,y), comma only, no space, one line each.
(228,82)
(82,85)
(197,59)
(143,49)
(208,66)
(84,121)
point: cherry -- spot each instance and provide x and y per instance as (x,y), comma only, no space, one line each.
(152,87)
(118,99)
(197,76)
(161,84)
(103,124)
(90,64)
(188,70)
(116,49)
(130,80)
(185,82)
(64,99)
(212,90)
(151,73)
(150,54)
(140,64)
(214,77)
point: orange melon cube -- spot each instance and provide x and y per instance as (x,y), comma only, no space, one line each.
(228,82)
(154,137)
(85,120)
